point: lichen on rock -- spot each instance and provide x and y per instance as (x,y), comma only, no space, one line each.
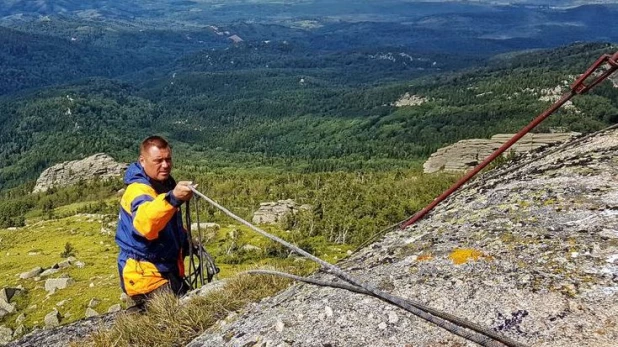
(530,252)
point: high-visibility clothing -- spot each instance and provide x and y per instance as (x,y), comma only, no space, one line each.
(150,234)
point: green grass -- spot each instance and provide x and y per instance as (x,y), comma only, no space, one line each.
(41,244)
(168,323)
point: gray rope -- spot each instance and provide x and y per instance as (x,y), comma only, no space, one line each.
(453,319)
(419,310)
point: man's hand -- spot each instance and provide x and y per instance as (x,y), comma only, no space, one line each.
(182,191)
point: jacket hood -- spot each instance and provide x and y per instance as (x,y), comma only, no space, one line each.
(136,174)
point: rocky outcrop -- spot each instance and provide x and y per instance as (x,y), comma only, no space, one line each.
(531,253)
(410,100)
(68,173)
(273,212)
(64,335)
(466,154)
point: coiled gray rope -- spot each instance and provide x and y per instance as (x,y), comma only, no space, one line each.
(457,326)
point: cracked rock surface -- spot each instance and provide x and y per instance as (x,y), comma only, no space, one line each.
(530,252)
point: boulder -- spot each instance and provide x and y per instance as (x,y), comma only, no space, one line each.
(52,284)
(68,173)
(49,272)
(6,335)
(213,226)
(32,273)
(91,313)
(5,306)
(466,154)
(410,100)
(52,319)
(204,290)
(114,308)
(273,212)
(8,293)
(80,264)
(93,302)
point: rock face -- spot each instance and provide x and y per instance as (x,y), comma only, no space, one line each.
(531,252)
(273,212)
(410,100)
(64,174)
(64,335)
(466,154)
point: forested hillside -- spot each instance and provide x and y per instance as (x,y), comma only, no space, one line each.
(294,115)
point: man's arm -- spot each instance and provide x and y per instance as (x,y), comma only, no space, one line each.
(151,212)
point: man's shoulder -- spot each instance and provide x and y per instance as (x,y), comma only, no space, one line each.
(137,189)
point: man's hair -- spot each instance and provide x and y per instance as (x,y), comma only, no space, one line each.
(153,141)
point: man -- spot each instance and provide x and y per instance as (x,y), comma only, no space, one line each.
(150,234)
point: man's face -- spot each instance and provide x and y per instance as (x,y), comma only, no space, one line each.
(157,162)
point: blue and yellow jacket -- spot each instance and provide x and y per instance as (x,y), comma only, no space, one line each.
(150,234)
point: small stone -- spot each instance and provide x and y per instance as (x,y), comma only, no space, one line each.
(32,273)
(80,264)
(279,326)
(393,318)
(64,264)
(5,306)
(6,335)
(91,313)
(52,319)
(8,293)
(58,283)
(328,311)
(91,285)
(93,302)
(114,308)
(251,248)
(382,326)
(49,272)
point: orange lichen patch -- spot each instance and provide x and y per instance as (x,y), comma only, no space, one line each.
(463,255)
(424,257)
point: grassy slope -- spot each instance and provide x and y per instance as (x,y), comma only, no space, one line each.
(41,243)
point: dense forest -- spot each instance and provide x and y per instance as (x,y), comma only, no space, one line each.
(311,94)
(307,119)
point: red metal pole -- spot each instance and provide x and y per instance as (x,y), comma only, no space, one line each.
(489,159)
(578,87)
